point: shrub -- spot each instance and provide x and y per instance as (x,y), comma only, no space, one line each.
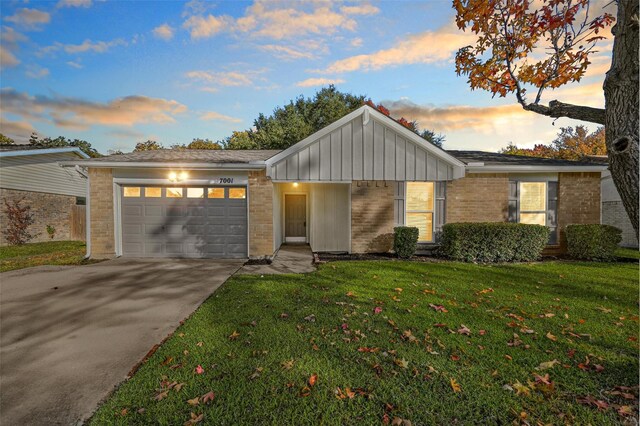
(405,241)
(51,230)
(19,219)
(593,242)
(493,242)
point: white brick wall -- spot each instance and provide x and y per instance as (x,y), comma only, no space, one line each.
(614,214)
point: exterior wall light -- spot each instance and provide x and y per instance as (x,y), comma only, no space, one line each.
(295,184)
(175,177)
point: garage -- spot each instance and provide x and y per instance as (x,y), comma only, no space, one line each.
(184,221)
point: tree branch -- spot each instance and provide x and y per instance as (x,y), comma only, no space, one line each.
(558,109)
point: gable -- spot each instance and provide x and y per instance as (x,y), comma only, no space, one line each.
(364,145)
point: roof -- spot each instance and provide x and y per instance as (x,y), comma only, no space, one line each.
(21,150)
(190,157)
(497,159)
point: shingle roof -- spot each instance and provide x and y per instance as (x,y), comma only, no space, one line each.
(189,156)
(21,147)
(497,159)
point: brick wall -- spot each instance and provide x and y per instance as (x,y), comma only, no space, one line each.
(478,197)
(371,216)
(578,200)
(614,214)
(260,215)
(101,212)
(47,209)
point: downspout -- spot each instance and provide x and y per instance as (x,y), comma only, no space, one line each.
(88,218)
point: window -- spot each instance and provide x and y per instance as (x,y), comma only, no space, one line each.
(81,201)
(131,191)
(195,192)
(237,193)
(174,192)
(215,192)
(535,203)
(419,208)
(150,192)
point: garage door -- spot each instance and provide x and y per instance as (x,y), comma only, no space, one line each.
(190,221)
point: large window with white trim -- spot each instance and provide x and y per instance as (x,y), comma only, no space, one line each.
(420,208)
(535,203)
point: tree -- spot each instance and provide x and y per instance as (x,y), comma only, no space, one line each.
(198,143)
(522,47)
(6,140)
(62,142)
(570,144)
(239,140)
(148,145)
(19,219)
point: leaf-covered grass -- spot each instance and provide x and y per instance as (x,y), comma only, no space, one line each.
(36,254)
(258,351)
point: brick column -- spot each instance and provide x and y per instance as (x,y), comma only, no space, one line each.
(260,215)
(101,213)
(578,201)
(371,216)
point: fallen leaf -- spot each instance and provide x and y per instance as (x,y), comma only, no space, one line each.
(310,318)
(377,310)
(398,289)
(287,365)
(464,330)
(521,389)
(313,380)
(546,365)
(161,395)
(350,294)
(194,401)
(305,392)
(625,411)
(199,369)
(167,360)
(199,344)
(256,373)
(194,419)
(234,335)
(402,363)
(207,397)
(438,308)
(455,385)
(397,421)
(551,337)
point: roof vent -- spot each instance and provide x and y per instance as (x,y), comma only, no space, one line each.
(475,164)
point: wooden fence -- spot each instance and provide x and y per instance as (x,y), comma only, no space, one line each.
(78,223)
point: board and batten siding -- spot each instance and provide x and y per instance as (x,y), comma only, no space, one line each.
(42,173)
(373,151)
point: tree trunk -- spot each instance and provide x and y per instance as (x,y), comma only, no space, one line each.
(621,108)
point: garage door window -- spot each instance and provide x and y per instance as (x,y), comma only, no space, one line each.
(153,192)
(195,192)
(174,192)
(131,191)
(215,192)
(237,193)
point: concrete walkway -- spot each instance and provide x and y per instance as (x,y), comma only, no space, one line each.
(290,259)
(71,334)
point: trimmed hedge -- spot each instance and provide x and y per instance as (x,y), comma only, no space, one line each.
(405,241)
(493,242)
(593,242)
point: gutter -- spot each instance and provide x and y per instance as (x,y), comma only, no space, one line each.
(532,169)
(154,165)
(22,153)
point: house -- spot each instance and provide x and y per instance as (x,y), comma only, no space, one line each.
(33,174)
(342,189)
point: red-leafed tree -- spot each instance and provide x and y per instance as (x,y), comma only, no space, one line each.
(570,144)
(525,46)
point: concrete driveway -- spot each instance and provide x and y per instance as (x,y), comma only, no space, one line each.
(70,334)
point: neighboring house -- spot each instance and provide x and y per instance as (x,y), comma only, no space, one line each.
(33,174)
(342,189)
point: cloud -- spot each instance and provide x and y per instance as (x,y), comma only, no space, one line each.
(7,58)
(312,82)
(204,27)
(277,20)
(29,19)
(77,113)
(75,64)
(75,3)
(361,9)
(424,48)
(9,39)
(356,42)
(164,32)
(16,130)
(37,72)
(85,46)
(216,116)
(287,53)
(223,78)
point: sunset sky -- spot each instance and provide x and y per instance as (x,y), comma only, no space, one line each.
(119,72)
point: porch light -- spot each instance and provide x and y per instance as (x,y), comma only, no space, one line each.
(175,177)
(295,184)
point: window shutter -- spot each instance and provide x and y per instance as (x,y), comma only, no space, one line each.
(513,201)
(398,204)
(552,211)
(440,219)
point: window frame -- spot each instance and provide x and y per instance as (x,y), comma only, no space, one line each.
(432,211)
(554,239)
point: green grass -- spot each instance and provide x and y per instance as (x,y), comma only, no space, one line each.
(36,254)
(628,253)
(591,309)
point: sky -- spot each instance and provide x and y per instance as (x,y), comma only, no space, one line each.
(119,72)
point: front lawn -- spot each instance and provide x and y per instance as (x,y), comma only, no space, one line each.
(430,343)
(36,254)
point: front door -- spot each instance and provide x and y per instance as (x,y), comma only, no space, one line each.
(295,218)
